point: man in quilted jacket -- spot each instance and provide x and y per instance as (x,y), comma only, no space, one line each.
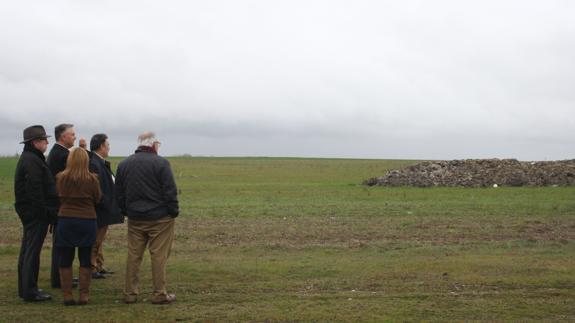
(147,195)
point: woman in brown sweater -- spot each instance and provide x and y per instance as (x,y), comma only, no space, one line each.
(79,192)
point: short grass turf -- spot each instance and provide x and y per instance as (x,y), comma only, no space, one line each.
(290,239)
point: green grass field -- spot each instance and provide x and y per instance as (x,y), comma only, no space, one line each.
(287,239)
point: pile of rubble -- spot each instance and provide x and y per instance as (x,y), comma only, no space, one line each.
(480,173)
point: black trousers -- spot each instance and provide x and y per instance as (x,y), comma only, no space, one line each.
(34,233)
(55,267)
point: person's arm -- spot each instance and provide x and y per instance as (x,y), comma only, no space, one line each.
(35,189)
(97,191)
(120,190)
(94,169)
(170,190)
(92,165)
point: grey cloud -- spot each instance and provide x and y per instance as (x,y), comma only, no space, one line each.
(415,79)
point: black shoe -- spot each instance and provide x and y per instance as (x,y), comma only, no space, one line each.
(38,298)
(107,272)
(41,292)
(98,275)
(168,299)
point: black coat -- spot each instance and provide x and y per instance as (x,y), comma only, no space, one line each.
(107,209)
(57,159)
(145,186)
(34,188)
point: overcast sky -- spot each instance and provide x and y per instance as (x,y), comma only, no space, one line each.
(358,79)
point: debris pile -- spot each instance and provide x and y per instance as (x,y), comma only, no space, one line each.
(480,173)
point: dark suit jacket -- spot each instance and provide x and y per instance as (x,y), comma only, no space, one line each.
(107,209)
(57,159)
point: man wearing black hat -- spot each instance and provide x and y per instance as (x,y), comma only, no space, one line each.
(37,206)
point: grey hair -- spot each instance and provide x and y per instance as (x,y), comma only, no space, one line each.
(147,138)
(60,129)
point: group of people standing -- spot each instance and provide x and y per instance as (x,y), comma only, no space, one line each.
(74,194)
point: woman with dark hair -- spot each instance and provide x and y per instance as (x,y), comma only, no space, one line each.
(79,192)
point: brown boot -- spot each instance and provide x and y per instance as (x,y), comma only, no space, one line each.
(85,278)
(66,285)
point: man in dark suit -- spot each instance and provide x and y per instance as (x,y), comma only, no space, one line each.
(65,136)
(36,204)
(107,211)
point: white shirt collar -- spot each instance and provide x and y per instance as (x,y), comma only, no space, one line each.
(95,153)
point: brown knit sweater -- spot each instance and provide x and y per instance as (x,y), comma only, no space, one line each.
(79,201)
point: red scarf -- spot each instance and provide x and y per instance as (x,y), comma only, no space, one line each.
(146,149)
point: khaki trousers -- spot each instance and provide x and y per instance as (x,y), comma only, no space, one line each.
(157,236)
(97,258)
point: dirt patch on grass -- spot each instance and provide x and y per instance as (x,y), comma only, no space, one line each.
(340,232)
(361,232)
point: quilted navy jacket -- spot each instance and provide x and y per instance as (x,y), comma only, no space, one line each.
(145,187)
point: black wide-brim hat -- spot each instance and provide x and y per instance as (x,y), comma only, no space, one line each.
(34,132)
